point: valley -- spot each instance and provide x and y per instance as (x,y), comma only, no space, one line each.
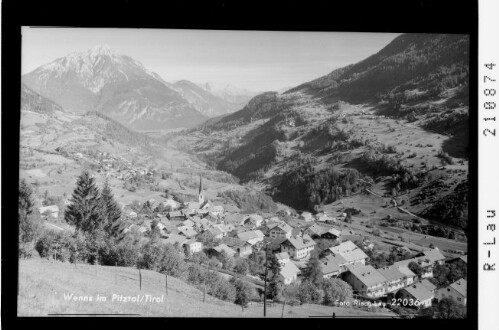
(364,168)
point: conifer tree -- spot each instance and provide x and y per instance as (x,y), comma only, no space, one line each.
(275,283)
(313,271)
(111,212)
(84,211)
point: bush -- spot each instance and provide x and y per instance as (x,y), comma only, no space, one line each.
(308,293)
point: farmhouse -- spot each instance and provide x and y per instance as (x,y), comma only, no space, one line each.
(307,216)
(242,248)
(251,237)
(425,264)
(298,247)
(176,215)
(434,255)
(395,279)
(253,220)
(193,246)
(289,273)
(282,258)
(456,291)
(365,280)
(281,230)
(187,232)
(419,292)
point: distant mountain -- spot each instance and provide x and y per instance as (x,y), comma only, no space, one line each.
(204,100)
(116,85)
(239,97)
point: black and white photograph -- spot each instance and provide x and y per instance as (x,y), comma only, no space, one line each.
(243,174)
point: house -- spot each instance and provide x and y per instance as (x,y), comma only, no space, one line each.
(51,210)
(175,238)
(241,247)
(234,218)
(419,292)
(223,228)
(354,256)
(307,216)
(425,264)
(434,255)
(315,231)
(324,217)
(216,232)
(365,280)
(253,220)
(289,273)
(298,247)
(343,247)
(395,279)
(461,261)
(223,247)
(193,246)
(266,227)
(282,258)
(410,276)
(456,291)
(188,223)
(430,286)
(333,265)
(176,215)
(331,234)
(339,260)
(251,237)
(186,231)
(274,244)
(281,230)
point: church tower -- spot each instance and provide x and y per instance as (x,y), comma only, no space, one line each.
(201,196)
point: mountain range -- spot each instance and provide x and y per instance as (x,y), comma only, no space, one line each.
(395,117)
(122,88)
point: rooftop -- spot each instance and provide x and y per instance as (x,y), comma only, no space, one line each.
(366,274)
(419,291)
(460,286)
(391,273)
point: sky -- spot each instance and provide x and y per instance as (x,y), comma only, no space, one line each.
(254,60)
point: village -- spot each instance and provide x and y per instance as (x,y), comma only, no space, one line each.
(239,235)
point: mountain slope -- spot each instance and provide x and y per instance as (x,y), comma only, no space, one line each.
(32,101)
(395,119)
(117,85)
(429,63)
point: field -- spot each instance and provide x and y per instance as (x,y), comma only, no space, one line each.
(44,285)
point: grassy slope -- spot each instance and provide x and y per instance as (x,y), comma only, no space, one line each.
(43,284)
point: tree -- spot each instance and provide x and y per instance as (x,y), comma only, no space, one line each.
(241,266)
(29,225)
(84,211)
(275,285)
(335,289)
(415,268)
(244,292)
(448,308)
(308,293)
(313,271)
(111,212)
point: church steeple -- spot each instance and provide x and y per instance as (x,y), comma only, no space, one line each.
(201,196)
